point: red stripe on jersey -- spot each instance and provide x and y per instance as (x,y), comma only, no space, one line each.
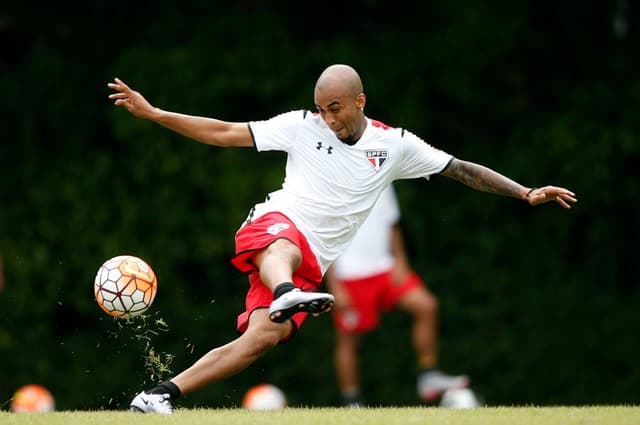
(380,124)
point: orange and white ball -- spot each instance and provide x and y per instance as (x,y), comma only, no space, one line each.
(125,286)
(32,398)
(264,397)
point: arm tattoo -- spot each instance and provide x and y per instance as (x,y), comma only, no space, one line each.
(482,178)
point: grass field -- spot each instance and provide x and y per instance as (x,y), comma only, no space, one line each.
(596,415)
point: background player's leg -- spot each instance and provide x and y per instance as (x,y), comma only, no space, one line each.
(347,368)
(423,306)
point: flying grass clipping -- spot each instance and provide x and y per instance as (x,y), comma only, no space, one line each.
(125,287)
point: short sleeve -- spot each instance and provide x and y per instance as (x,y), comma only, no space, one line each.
(420,159)
(277,133)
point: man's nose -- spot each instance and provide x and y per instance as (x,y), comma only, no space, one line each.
(329,119)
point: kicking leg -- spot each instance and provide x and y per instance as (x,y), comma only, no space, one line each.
(277,263)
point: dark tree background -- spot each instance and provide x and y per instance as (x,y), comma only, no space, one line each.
(539,305)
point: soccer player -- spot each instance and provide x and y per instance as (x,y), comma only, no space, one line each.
(374,275)
(338,163)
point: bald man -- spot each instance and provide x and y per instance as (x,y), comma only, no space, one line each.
(338,163)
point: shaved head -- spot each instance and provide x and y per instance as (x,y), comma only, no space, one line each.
(341,80)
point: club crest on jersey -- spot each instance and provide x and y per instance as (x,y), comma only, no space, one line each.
(274,229)
(377,157)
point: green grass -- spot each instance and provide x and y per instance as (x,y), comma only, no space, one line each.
(596,415)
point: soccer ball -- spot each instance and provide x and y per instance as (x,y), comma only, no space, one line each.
(32,398)
(459,398)
(125,286)
(264,397)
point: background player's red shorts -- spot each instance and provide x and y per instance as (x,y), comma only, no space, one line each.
(368,297)
(259,234)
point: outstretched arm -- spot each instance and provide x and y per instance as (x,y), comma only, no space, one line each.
(485,179)
(205,130)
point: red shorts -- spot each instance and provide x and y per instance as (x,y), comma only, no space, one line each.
(368,297)
(256,236)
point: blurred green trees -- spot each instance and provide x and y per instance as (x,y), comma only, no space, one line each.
(538,305)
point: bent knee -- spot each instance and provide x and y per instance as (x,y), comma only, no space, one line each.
(285,248)
(422,303)
(266,341)
(266,335)
(261,342)
(430,304)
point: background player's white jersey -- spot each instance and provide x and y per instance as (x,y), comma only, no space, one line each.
(330,187)
(369,253)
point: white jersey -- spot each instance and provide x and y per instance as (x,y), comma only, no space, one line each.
(329,186)
(369,253)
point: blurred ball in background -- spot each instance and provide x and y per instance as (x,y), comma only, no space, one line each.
(264,397)
(32,398)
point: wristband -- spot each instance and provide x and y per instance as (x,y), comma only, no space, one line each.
(529,193)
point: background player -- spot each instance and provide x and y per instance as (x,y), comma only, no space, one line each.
(374,275)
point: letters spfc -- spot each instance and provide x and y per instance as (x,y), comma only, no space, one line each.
(377,157)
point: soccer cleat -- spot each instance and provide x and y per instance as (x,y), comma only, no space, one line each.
(296,301)
(433,383)
(152,403)
(353,405)
(354,402)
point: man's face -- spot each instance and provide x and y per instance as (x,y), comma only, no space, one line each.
(342,114)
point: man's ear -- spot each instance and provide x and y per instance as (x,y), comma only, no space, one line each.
(361,100)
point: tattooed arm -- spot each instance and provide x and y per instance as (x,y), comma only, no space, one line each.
(485,179)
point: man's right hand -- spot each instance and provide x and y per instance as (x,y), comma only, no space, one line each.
(130,99)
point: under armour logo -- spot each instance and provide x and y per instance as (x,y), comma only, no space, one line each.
(329,149)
